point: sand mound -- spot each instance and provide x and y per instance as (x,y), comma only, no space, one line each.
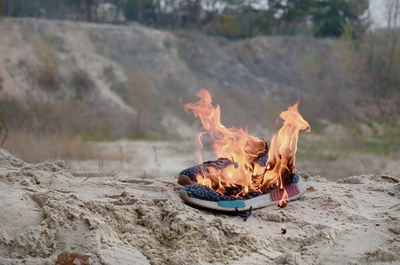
(48,209)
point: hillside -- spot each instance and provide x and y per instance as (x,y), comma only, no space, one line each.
(62,76)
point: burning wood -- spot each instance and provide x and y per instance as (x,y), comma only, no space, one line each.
(245,175)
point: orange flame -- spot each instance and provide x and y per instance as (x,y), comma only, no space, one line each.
(237,145)
(282,152)
(283,202)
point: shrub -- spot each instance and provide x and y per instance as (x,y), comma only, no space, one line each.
(48,64)
(82,83)
(229,27)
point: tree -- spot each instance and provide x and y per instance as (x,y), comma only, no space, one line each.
(230,18)
(330,17)
(52,8)
(291,13)
(141,11)
(118,6)
(4,8)
(82,8)
(19,8)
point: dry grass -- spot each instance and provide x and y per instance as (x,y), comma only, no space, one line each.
(37,148)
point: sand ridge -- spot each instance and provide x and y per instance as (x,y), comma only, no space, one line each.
(118,219)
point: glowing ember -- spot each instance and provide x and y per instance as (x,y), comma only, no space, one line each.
(245,175)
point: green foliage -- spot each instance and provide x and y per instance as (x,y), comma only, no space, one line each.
(330,17)
(19,8)
(142,11)
(263,23)
(239,19)
(291,13)
(82,8)
(229,27)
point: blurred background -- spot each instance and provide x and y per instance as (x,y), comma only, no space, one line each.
(101,83)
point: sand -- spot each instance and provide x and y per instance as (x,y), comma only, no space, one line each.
(47,209)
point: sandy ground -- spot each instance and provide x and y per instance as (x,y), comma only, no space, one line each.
(117,218)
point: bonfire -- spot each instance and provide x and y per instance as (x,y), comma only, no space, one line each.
(253,168)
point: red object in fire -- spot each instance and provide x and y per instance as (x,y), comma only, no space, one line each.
(291,190)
